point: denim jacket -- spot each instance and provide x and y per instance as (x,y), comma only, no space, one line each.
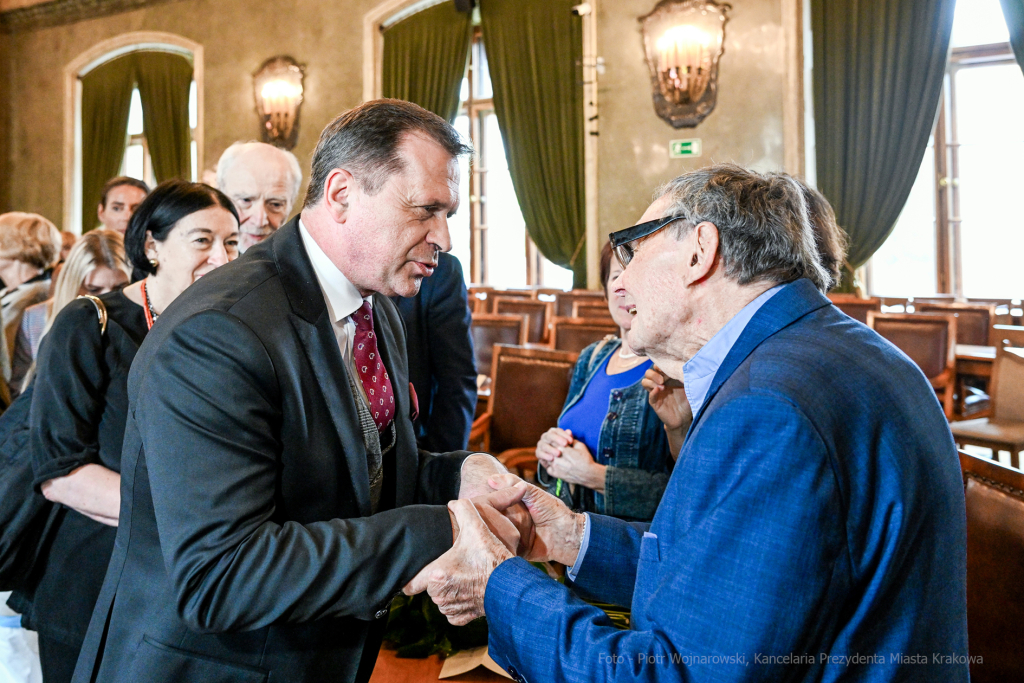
(632,444)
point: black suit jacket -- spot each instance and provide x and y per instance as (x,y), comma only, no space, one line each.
(246,550)
(441,362)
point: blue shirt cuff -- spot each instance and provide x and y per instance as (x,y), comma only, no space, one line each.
(571,573)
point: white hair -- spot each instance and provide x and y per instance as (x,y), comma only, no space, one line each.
(227,160)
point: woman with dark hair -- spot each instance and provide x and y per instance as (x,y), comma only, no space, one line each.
(179,233)
(610,451)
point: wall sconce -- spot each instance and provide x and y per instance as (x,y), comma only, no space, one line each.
(683,41)
(278,90)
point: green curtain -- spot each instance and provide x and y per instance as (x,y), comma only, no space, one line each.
(535,54)
(425,58)
(106,98)
(1013,11)
(878,71)
(164,80)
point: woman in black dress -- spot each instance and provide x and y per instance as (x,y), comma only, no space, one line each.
(179,233)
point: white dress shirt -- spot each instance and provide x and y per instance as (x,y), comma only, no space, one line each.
(342,297)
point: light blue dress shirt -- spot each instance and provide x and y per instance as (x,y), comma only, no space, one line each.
(698,374)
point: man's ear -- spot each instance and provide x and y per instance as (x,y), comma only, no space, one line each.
(99,211)
(704,251)
(338,190)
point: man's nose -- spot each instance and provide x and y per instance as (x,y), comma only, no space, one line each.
(259,213)
(439,235)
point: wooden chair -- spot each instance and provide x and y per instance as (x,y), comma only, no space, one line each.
(489,329)
(1005,429)
(894,304)
(528,390)
(933,299)
(856,307)
(576,334)
(538,312)
(1006,335)
(930,341)
(565,300)
(973,321)
(994,495)
(596,310)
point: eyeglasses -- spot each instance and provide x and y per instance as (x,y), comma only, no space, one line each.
(625,242)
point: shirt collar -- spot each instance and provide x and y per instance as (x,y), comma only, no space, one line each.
(342,297)
(699,372)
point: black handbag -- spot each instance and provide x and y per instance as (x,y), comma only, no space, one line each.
(25,515)
(27,519)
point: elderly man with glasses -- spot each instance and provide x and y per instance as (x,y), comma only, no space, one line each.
(813,527)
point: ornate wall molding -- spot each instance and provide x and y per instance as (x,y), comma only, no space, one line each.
(61,12)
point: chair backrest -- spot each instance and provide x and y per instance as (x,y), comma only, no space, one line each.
(929,340)
(973,321)
(565,300)
(1007,388)
(856,307)
(995,564)
(528,390)
(537,311)
(576,334)
(597,310)
(1006,335)
(489,329)
(934,299)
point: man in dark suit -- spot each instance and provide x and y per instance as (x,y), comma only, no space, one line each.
(273,498)
(442,368)
(813,528)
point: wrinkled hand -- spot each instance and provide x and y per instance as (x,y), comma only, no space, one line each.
(551,444)
(575,465)
(457,581)
(476,471)
(556,532)
(668,399)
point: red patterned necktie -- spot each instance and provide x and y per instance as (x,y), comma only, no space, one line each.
(371,370)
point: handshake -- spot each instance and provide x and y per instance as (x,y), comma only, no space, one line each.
(515,519)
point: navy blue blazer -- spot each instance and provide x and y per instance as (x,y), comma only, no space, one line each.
(813,529)
(441,362)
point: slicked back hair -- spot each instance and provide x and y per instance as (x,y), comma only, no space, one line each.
(829,238)
(365,140)
(763,231)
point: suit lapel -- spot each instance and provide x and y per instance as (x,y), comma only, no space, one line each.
(312,325)
(793,302)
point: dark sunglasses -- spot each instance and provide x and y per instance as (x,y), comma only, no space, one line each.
(624,242)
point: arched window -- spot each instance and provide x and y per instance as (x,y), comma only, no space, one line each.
(133,106)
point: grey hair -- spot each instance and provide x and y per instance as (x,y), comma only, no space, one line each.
(364,141)
(230,155)
(763,231)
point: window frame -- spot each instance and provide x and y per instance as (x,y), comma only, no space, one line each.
(101,53)
(948,235)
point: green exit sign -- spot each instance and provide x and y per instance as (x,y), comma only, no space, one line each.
(678,149)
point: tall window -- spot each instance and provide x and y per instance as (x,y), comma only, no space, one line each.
(137,162)
(488,232)
(960,231)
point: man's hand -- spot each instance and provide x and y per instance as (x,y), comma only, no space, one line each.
(556,532)
(476,470)
(668,399)
(457,581)
(575,465)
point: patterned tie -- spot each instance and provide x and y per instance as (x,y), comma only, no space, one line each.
(371,370)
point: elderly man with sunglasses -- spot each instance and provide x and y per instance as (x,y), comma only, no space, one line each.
(813,527)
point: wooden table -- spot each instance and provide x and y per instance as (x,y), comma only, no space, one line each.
(975,360)
(391,669)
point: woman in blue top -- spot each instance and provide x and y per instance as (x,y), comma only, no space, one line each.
(610,452)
